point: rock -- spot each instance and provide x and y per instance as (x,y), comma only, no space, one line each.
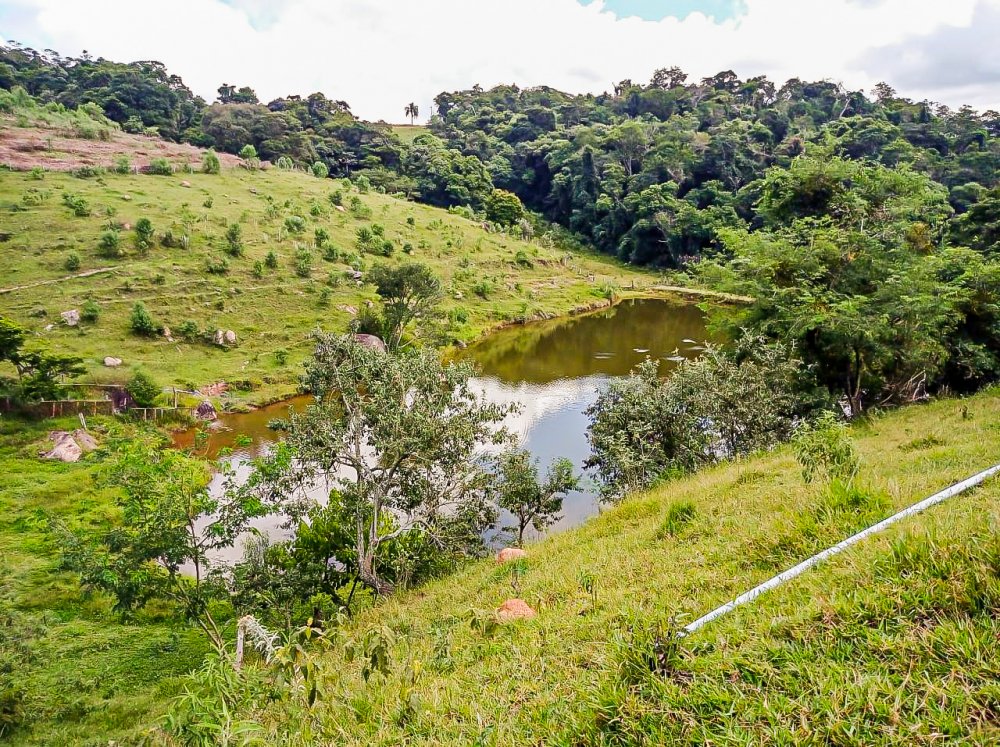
(216,425)
(168,334)
(84,440)
(370,341)
(253,190)
(356,275)
(369,304)
(185,183)
(509,554)
(49,327)
(126,226)
(64,448)
(340,208)
(71,317)
(219,338)
(127,198)
(459,295)
(461,344)
(230,337)
(205,411)
(515,609)
(112,362)
(349,309)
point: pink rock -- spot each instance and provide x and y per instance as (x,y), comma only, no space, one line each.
(515,609)
(509,554)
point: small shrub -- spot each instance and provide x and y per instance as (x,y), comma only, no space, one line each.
(387,248)
(37,173)
(110,245)
(320,170)
(88,172)
(72,263)
(295,224)
(208,203)
(281,356)
(331,253)
(123,164)
(76,203)
(90,311)
(258,269)
(188,330)
(521,259)
(359,210)
(143,235)
(271,260)
(284,163)
(143,389)
(483,289)
(324,297)
(337,197)
(234,240)
(321,237)
(160,167)
(679,514)
(411,221)
(210,163)
(303,263)
(142,321)
(823,446)
(217,265)
(407,248)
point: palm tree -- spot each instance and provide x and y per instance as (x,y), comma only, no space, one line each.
(412,111)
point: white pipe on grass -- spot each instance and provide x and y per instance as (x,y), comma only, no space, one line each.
(805,565)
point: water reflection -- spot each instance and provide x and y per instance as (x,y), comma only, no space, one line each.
(553,370)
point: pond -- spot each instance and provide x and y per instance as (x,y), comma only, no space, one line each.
(553,370)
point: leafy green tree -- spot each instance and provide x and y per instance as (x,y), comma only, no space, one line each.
(320,170)
(210,163)
(234,240)
(167,532)
(142,322)
(504,207)
(143,389)
(397,437)
(41,374)
(143,235)
(531,501)
(408,292)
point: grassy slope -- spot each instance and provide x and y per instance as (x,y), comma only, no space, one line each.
(273,312)
(892,643)
(83,676)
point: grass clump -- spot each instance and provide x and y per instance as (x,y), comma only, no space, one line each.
(679,515)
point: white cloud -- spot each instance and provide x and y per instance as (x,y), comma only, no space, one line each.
(379,54)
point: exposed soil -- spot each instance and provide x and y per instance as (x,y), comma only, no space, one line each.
(23,148)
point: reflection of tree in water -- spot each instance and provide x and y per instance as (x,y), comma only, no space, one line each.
(604,342)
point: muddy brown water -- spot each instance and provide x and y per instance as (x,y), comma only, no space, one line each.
(553,370)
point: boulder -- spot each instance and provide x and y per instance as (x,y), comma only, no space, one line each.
(126,226)
(509,554)
(112,362)
(230,337)
(340,208)
(168,334)
(348,308)
(219,338)
(84,440)
(356,275)
(370,341)
(185,183)
(515,609)
(205,411)
(64,447)
(71,317)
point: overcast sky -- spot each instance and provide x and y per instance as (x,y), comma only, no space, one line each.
(380,54)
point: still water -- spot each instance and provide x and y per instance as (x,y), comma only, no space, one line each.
(552,370)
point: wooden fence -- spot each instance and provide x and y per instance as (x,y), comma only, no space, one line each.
(63,407)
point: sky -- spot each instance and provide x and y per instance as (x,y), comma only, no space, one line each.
(378,55)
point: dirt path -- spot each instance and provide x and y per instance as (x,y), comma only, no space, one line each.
(86,274)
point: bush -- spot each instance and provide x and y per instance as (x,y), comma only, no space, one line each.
(88,172)
(143,235)
(234,240)
(303,263)
(210,164)
(110,245)
(285,163)
(271,260)
(281,356)
(504,207)
(337,197)
(143,389)
(521,259)
(76,203)
(142,321)
(90,311)
(320,170)
(123,164)
(331,253)
(208,203)
(188,330)
(321,237)
(217,265)
(295,224)
(483,289)
(72,263)
(258,269)
(160,167)
(823,447)
(37,173)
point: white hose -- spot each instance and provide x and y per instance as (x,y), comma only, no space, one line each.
(805,565)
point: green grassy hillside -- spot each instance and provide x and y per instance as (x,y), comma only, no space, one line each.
(490,278)
(893,642)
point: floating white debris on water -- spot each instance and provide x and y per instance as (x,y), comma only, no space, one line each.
(603,356)
(674,358)
(641,350)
